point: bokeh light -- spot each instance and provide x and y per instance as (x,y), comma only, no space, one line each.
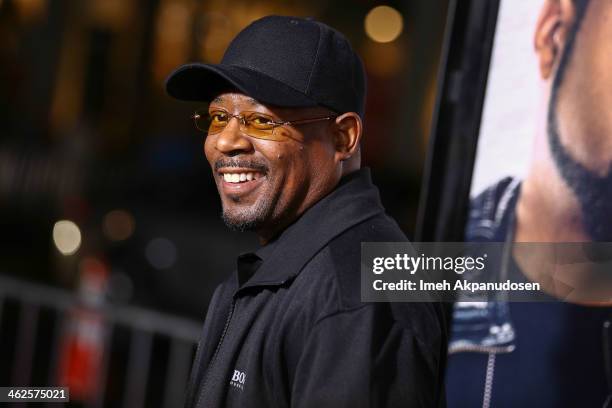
(66,237)
(118,225)
(384,24)
(161,253)
(30,10)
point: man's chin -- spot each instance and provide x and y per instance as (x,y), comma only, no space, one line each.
(238,224)
(247,218)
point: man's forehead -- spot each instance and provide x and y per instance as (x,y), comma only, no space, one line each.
(234,97)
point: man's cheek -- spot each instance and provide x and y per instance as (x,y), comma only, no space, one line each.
(208,151)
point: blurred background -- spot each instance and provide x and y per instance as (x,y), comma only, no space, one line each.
(111,240)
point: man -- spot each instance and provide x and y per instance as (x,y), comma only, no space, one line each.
(548,354)
(288,329)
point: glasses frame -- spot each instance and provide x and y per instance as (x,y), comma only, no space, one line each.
(244,127)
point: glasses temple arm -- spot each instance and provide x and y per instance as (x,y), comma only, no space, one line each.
(303,121)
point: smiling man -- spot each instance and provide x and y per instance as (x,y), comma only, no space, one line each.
(288,329)
(267,180)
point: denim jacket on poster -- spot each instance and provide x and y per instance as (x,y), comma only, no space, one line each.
(487,326)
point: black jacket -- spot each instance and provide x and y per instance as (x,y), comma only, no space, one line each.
(289,329)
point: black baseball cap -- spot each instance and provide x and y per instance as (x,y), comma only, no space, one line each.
(281,61)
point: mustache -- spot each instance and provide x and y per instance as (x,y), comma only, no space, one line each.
(254,164)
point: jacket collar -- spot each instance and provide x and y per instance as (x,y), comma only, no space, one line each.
(354,200)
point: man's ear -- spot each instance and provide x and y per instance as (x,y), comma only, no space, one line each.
(554,24)
(347,135)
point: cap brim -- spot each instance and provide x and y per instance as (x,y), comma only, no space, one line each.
(202,82)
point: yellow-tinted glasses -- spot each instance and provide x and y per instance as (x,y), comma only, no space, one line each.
(255,124)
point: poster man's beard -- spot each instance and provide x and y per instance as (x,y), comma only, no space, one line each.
(594,192)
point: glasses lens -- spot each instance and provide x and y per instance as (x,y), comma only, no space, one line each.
(262,126)
(211,122)
(216,121)
(254,124)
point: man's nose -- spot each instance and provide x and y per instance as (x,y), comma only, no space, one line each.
(232,140)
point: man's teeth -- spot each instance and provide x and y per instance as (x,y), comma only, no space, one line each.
(240,177)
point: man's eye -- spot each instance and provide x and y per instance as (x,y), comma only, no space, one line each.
(261,121)
(218,117)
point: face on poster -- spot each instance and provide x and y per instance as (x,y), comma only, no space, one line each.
(545,143)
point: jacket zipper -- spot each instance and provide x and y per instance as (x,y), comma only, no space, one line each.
(488,386)
(214,357)
(492,352)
